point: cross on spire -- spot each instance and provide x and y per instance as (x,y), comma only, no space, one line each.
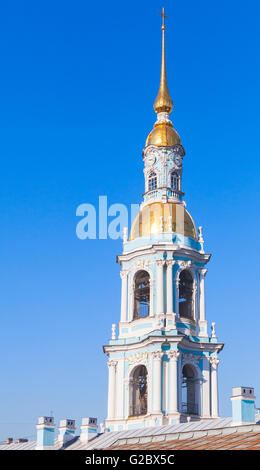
(163,17)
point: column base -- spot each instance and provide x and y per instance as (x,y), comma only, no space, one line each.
(174,417)
(170,321)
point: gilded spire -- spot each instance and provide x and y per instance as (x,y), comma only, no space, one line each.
(163,102)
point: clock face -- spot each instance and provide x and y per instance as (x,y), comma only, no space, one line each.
(177,160)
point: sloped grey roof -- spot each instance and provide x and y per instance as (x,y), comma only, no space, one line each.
(109,438)
(156,433)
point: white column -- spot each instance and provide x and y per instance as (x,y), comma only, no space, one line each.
(177,283)
(119,388)
(123,275)
(206,388)
(173,355)
(150,391)
(111,388)
(214,386)
(157,356)
(203,273)
(160,296)
(169,292)
(165,374)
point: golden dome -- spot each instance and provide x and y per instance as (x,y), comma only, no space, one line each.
(154,218)
(163,134)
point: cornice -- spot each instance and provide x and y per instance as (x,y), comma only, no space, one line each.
(180,340)
(161,247)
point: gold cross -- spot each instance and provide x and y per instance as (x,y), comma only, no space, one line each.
(163,16)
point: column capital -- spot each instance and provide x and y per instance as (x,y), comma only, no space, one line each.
(111,363)
(214,361)
(203,272)
(123,273)
(170,262)
(160,262)
(173,354)
(157,355)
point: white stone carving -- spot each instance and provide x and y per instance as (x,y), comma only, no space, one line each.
(111,363)
(160,262)
(170,262)
(214,361)
(157,355)
(173,354)
(185,264)
(213,331)
(123,273)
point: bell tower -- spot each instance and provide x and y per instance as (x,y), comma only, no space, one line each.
(163,364)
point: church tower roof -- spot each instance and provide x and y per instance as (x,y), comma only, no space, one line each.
(163,102)
(163,133)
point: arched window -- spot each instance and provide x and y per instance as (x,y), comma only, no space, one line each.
(138,392)
(152,181)
(186,295)
(175,181)
(141,294)
(189,385)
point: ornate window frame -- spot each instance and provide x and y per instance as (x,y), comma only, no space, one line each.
(132,289)
(172,172)
(128,381)
(148,174)
(187,265)
(192,361)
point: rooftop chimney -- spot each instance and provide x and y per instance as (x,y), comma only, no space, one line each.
(89,429)
(243,405)
(45,433)
(66,430)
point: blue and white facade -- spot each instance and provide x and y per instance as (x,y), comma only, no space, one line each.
(163,365)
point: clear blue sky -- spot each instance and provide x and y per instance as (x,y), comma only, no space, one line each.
(77,86)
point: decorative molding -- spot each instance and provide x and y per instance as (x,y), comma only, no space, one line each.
(170,262)
(111,363)
(137,358)
(157,355)
(203,272)
(173,354)
(124,273)
(185,264)
(214,361)
(160,262)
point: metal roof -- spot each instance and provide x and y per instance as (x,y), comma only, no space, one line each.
(157,437)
